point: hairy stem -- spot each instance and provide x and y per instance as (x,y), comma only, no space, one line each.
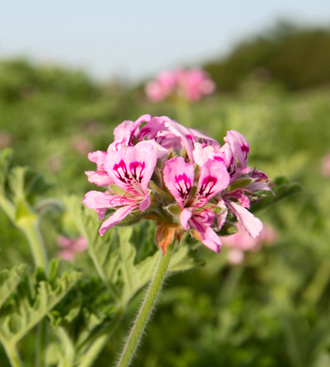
(146,309)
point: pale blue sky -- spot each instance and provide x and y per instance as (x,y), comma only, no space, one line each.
(136,39)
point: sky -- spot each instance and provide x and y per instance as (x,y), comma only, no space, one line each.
(134,40)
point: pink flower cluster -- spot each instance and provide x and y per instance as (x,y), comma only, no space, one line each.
(71,247)
(158,169)
(326,165)
(240,243)
(189,84)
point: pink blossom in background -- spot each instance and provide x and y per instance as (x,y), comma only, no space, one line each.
(241,242)
(184,180)
(189,84)
(162,87)
(5,139)
(71,247)
(81,145)
(326,165)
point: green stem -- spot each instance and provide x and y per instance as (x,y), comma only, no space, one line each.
(30,227)
(13,355)
(69,351)
(183,111)
(41,343)
(229,286)
(31,230)
(146,309)
(101,274)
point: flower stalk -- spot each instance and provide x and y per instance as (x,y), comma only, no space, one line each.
(30,228)
(12,355)
(146,309)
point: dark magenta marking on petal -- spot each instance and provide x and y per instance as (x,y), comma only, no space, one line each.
(191,137)
(245,149)
(207,186)
(121,171)
(137,169)
(183,185)
(220,159)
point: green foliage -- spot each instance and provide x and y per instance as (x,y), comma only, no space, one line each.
(9,280)
(19,186)
(277,55)
(282,189)
(118,257)
(31,304)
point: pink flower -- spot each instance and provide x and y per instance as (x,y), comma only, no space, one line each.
(71,247)
(124,133)
(130,170)
(241,242)
(234,154)
(326,165)
(184,180)
(99,177)
(189,84)
(193,200)
(194,84)
(162,87)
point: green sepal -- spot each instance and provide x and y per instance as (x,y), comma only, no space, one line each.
(227,229)
(173,209)
(117,190)
(240,183)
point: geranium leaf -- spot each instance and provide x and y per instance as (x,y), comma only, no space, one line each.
(9,280)
(31,304)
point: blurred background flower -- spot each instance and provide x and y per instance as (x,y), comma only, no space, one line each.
(71,247)
(241,242)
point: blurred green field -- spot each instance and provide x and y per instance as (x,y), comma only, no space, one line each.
(271,311)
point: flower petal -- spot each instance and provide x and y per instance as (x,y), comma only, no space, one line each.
(247,220)
(99,178)
(238,145)
(100,201)
(209,238)
(145,203)
(116,217)
(123,133)
(131,168)
(179,179)
(185,216)
(205,139)
(214,178)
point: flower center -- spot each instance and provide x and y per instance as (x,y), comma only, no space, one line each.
(133,175)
